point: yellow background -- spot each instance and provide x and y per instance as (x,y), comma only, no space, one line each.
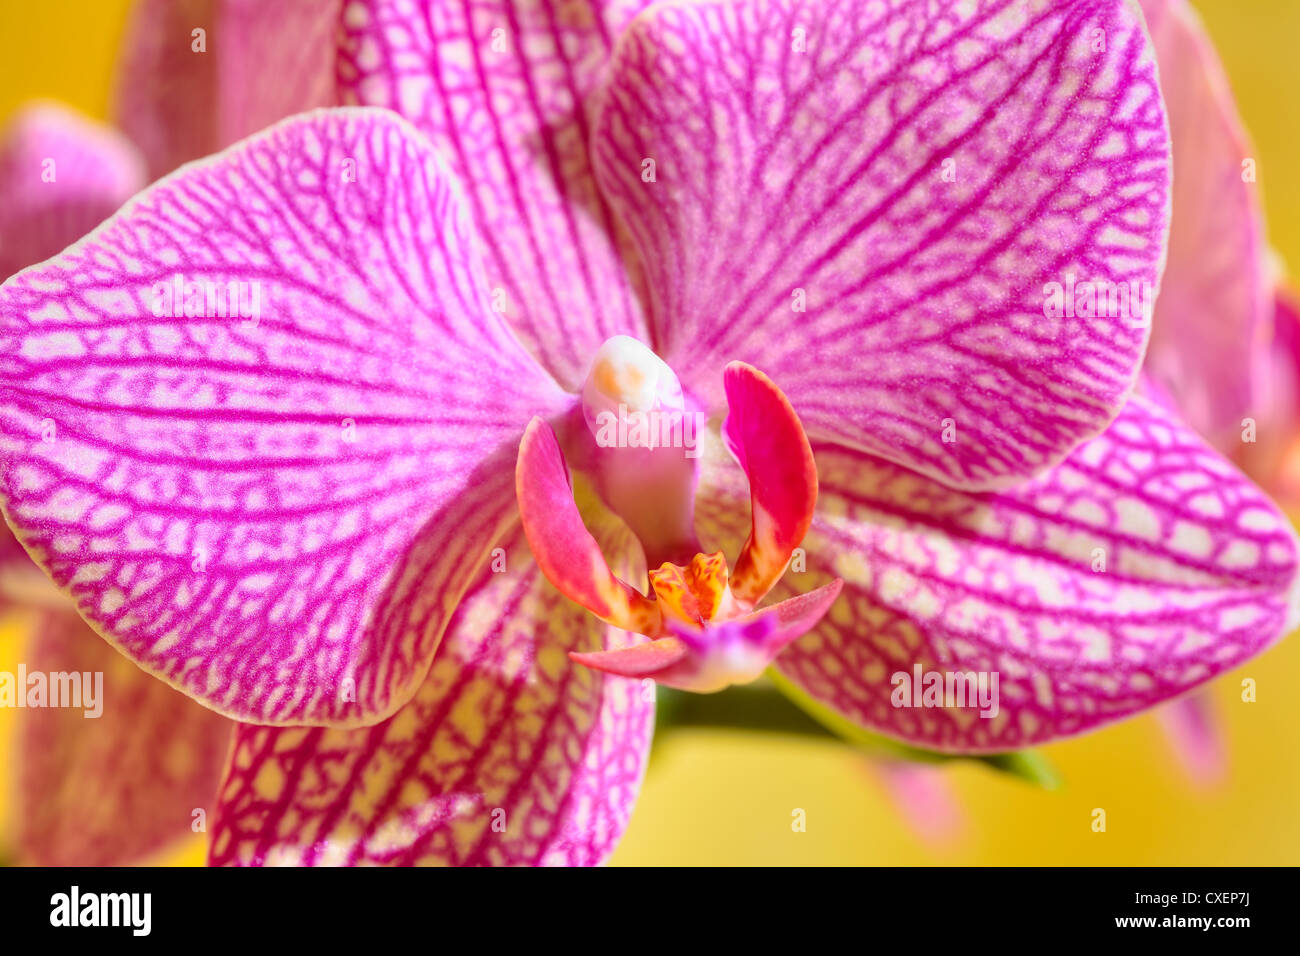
(721,798)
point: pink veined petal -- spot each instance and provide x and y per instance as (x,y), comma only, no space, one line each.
(509,754)
(1194,734)
(502,87)
(764,433)
(111,789)
(564,549)
(262,60)
(870,201)
(61,175)
(274,510)
(1196,573)
(1210,323)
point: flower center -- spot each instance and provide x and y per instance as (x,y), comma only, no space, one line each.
(639,443)
(697,593)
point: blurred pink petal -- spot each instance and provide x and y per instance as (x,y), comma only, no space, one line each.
(1273,459)
(925,797)
(1212,315)
(110,789)
(61,175)
(1192,728)
(262,60)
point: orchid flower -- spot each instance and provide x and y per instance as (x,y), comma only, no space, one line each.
(377,524)
(123,784)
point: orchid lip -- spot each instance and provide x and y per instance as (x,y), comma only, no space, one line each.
(699,613)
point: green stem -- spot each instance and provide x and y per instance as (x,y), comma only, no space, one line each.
(783,709)
(747,707)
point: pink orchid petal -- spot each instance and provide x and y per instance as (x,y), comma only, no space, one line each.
(1212,313)
(61,175)
(263,60)
(276,516)
(1196,574)
(820,179)
(510,753)
(1194,734)
(109,790)
(564,549)
(763,432)
(502,87)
